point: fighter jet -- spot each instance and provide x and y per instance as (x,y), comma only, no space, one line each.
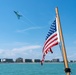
(17,14)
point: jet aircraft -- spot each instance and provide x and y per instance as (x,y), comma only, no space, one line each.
(17,14)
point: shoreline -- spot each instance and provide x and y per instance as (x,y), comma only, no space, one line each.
(36,63)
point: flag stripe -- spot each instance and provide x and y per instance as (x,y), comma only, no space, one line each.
(49,39)
(52,39)
(50,42)
(51,45)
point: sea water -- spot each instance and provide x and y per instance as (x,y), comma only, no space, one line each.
(35,69)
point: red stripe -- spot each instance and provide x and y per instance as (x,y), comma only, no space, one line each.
(50,43)
(50,39)
(51,46)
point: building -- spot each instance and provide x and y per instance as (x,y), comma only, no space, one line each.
(37,60)
(74,60)
(71,61)
(47,61)
(5,60)
(0,60)
(19,60)
(28,60)
(55,60)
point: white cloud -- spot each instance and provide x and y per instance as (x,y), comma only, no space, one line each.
(27,29)
(17,52)
(26,48)
(72,56)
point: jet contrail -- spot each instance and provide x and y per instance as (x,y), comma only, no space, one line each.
(28,19)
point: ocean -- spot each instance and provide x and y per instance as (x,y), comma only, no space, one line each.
(35,69)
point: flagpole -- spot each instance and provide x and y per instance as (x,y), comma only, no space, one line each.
(67,69)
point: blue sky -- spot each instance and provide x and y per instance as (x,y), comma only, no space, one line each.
(25,37)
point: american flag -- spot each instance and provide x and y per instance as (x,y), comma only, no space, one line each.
(51,40)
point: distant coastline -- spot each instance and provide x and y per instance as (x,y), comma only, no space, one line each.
(21,60)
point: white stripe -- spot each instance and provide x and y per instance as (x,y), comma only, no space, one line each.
(50,45)
(50,37)
(50,41)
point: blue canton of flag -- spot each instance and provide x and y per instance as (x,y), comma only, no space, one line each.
(52,29)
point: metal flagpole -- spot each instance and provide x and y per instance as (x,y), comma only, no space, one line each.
(67,69)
